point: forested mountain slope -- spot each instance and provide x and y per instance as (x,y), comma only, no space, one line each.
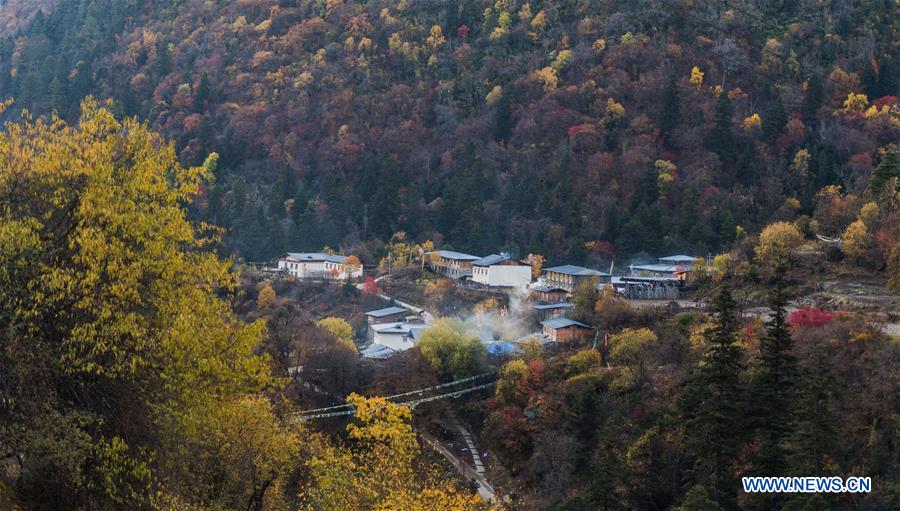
(641,126)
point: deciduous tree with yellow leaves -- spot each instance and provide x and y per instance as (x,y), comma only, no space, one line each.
(122,367)
(380,467)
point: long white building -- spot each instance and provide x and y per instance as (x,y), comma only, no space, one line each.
(318,265)
(500,270)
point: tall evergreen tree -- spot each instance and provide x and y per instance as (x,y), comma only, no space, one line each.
(503,121)
(721,138)
(814,439)
(888,168)
(670,117)
(713,404)
(163,59)
(774,118)
(812,100)
(774,382)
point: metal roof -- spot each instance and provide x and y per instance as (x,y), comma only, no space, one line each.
(658,268)
(680,258)
(489,260)
(377,351)
(387,311)
(456,256)
(416,333)
(544,287)
(315,257)
(550,306)
(556,323)
(650,279)
(578,271)
(398,328)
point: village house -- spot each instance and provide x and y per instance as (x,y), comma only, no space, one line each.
(672,271)
(455,265)
(682,260)
(569,276)
(547,311)
(564,329)
(673,267)
(317,265)
(648,288)
(501,270)
(548,293)
(397,336)
(386,315)
(382,316)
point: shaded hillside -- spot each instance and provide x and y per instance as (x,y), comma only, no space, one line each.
(539,127)
(15,14)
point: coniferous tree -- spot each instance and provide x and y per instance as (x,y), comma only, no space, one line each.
(721,138)
(888,168)
(812,100)
(814,439)
(698,499)
(713,404)
(774,118)
(670,117)
(503,122)
(201,94)
(604,489)
(774,383)
(163,59)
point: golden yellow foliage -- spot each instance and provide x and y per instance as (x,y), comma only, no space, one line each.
(855,103)
(381,468)
(869,213)
(857,239)
(563,58)
(752,123)
(103,277)
(266,297)
(494,95)
(548,77)
(338,327)
(801,162)
(696,77)
(777,243)
(614,110)
(435,38)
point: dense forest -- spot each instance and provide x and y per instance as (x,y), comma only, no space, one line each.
(140,368)
(577,129)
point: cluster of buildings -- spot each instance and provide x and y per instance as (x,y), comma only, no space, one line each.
(394,329)
(662,280)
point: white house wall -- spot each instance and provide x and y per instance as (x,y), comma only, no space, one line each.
(502,275)
(397,341)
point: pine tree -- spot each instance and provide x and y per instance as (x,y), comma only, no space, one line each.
(201,94)
(604,489)
(163,59)
(698,499)
(670,117)
(814,439)
(774,118)
(812,100)
(774,380)
(721,138)
(713,404)
(503,121)
(888,168)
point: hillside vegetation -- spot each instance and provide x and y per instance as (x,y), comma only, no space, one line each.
(577,129)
